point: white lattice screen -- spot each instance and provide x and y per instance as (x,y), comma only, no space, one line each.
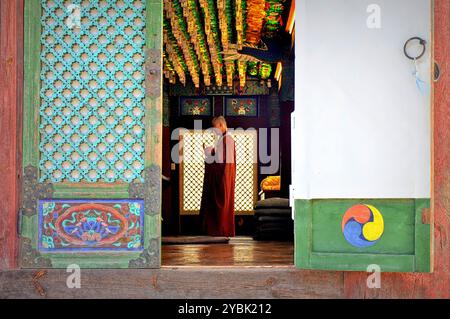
(192,170)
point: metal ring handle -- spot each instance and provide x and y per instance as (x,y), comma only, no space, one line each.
(421,41)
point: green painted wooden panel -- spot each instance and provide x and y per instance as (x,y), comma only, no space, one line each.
(67,191)
(320,243)
(422,239)
(150,257)
(32,83)
(339,261)
(398,237)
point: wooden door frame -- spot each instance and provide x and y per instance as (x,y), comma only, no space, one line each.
(20,50)
(11,89)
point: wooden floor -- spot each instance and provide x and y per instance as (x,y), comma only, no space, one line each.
(240,251)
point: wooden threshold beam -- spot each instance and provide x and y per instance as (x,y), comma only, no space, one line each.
(176,282)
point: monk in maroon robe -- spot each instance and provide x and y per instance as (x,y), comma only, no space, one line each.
(217,205)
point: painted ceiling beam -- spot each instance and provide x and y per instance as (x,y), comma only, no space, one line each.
(273,19)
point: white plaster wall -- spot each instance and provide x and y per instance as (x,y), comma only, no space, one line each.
(361,127)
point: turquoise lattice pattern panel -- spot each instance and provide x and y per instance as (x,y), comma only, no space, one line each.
(92,91)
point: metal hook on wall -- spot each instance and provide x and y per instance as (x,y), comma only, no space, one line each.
(422,42)
(421,85)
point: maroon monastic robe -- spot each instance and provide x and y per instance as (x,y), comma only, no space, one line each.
(217,205)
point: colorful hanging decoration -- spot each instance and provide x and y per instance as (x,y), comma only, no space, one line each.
(242,70)
(241,14)
(198,35)
(255,18)
(168,69)
(173,55)
(273,21)
(213,38)
(230,70)
(265,70)
(198,39)
(174,14)
(225,16)
(252,68)
(225,12)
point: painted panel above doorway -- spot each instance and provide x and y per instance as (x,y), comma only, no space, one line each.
(241,106)
(196,106)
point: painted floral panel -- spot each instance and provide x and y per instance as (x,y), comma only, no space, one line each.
(241,106)
(91,225)
(196,106)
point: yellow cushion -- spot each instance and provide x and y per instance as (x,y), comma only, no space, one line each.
(271,183)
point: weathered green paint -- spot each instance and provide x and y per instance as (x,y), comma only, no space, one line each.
(153,146)
(320,244)
(399,218)
(69,191)
(31,98)
(422,239)
(153,118)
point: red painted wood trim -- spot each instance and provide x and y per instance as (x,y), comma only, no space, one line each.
(441,187)
(11,85)
(437,284)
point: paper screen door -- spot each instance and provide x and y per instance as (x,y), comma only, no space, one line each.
(192,170)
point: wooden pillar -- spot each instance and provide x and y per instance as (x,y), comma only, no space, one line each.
(441,153)
(435,285)
(11,84)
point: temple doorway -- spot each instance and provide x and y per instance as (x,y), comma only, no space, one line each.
(229,68)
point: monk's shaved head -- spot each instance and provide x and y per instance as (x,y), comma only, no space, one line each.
(220,123)
(219,119)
